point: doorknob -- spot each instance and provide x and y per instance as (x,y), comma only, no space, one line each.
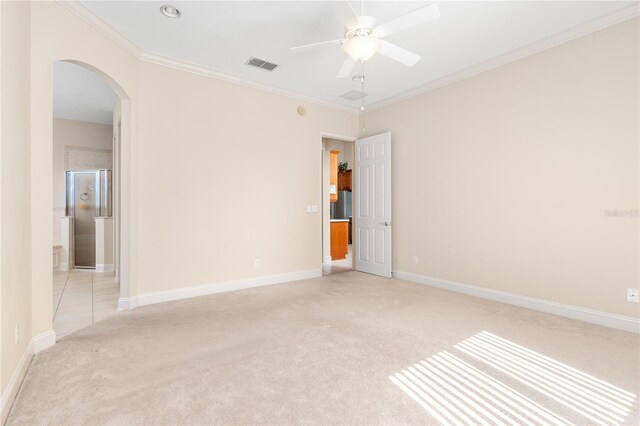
(385,223)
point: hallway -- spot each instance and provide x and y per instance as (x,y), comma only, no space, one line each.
(82,298)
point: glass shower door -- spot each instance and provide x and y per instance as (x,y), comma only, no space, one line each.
(84,213)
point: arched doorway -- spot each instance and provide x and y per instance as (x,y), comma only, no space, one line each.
(106,253)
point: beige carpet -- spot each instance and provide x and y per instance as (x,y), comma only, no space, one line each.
(343,349)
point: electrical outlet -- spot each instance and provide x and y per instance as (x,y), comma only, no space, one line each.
(256,263)
(17,334)
(415,260)
(633,295)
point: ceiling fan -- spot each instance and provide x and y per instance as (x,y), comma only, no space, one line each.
(363,34)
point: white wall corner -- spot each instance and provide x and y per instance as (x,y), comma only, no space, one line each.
(568,311)
(10,392)
(43,341)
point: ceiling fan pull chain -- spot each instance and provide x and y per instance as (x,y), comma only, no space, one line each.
(362,85)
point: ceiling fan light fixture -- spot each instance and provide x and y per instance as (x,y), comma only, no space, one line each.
(361,48)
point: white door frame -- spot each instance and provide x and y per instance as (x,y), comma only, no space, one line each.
(350,139)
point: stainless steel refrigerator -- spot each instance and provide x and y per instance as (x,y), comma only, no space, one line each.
(343,205)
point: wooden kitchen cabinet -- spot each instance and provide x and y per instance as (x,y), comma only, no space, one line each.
(339,239)
(333,176)
(344,181)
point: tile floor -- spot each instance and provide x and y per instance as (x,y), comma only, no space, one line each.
(82,298)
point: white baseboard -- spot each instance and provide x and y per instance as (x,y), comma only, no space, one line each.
(568,311)
(104,267)
(64,266)
(15,381)
(326,260)
(37,344)
(125,303)
(43,341)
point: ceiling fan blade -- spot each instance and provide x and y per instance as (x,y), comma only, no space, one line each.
(346,68)
(345,12)
(313,46)
(397,53)
(409,20)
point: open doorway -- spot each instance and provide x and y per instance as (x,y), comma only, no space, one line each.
(85,288)
(337,205)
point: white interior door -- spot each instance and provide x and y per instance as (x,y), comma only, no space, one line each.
(372,218)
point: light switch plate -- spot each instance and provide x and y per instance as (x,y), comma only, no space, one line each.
(314,209)
(309,209)
(332,189)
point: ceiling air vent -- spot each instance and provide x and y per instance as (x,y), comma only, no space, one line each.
(353,95)
(259,63)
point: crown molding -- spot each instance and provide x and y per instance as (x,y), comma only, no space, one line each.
(79,10)
(86,15)
(158,59)
(514,55)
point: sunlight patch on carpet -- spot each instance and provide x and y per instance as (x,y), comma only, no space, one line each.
(455,392)
(589,396)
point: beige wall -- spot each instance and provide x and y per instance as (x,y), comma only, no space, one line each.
(15,279)
(226,174)
(72,133)
(502,180)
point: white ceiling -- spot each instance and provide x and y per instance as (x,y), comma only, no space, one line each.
(79,94)
(222,35)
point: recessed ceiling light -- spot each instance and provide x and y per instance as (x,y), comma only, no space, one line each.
(170,11)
